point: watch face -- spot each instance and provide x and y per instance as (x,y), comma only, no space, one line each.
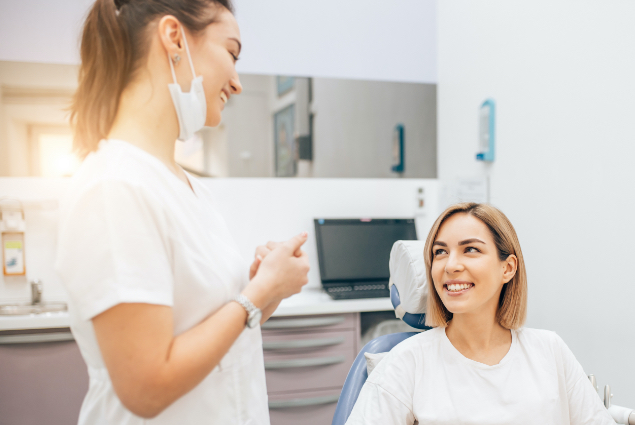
(254,318)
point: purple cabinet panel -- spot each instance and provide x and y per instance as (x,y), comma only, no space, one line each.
(41,383)
(307,359)
(306,408)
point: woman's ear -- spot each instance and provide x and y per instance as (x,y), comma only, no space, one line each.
(510,265)
(171,35)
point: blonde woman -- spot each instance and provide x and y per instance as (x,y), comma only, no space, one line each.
(164,308)
(478,365)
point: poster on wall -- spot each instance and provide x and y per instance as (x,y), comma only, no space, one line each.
(284,144)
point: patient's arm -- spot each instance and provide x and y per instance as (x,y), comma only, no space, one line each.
(376,406)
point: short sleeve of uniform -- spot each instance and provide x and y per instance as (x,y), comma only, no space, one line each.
(386,397)
(585,406)
(114,248)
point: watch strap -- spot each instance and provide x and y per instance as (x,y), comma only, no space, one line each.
(246,303)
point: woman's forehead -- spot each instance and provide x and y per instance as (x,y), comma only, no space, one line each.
(225,24)
(462,226)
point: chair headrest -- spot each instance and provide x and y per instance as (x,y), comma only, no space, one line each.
(408,283)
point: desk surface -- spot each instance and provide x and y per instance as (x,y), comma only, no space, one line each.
(310,301)
(316,301)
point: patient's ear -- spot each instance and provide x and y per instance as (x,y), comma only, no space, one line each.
(510,265)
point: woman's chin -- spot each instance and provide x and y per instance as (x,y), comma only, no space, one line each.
(213,120)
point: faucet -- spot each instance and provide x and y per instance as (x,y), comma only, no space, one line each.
(36,292)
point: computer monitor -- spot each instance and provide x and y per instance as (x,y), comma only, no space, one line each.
(354,254)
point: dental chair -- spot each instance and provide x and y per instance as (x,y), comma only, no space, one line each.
(408,294)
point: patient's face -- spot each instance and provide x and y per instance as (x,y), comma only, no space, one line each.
(466,270)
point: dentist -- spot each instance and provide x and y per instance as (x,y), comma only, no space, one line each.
(165,311)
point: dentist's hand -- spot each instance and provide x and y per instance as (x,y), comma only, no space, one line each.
(262,251)
(279,271)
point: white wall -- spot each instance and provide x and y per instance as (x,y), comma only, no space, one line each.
(377,40)
(562,76)
(256,211)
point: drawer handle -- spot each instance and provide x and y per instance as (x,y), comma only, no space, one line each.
(318,361)
(302,343)
(303,323)
(300,402)
(34,338)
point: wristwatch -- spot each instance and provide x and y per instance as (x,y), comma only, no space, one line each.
(253,313)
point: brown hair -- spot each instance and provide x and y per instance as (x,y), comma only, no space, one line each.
(512,305)
(114,42)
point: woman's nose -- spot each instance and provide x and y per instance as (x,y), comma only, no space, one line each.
(453,265)
(235,85)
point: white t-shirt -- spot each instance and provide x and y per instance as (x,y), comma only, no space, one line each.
(426,379)
(131,231)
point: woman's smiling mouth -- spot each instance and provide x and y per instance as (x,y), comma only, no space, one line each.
(457,287)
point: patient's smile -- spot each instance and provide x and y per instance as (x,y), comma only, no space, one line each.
(456,287)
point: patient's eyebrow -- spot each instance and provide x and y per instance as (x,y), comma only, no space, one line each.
(469,241)
(440,243)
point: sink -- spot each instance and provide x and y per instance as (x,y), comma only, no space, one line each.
(24,309)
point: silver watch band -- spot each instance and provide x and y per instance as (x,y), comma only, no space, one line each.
(244,301)
(253,313)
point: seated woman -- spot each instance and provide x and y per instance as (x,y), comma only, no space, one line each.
(478,365)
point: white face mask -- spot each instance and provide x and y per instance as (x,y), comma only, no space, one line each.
(191,108)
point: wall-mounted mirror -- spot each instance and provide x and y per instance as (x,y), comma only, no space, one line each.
(321,127)
(279,126)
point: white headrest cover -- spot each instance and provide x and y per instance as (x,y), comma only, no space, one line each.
(408,274)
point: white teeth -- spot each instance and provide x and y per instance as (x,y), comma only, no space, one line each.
(455,287)
(223,97)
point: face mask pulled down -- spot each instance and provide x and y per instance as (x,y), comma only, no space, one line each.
(191,107)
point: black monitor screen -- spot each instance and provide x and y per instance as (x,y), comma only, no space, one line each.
(359,249)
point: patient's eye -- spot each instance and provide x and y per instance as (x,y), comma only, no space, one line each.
(439,251)
(472,249)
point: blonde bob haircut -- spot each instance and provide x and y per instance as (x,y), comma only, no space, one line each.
(512,305)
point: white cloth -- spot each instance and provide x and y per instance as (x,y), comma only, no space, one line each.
(131,231)
(372,360)
(426,379)
(408,274)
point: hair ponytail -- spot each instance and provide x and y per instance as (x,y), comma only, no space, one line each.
(112,44)
(106,60)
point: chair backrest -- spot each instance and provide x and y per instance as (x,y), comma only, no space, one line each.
(358,374)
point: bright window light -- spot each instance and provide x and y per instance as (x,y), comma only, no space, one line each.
(56,155)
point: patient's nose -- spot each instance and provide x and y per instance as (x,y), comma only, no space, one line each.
(453,265)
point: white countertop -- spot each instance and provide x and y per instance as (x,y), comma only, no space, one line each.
(307,302)
(35,321)
(316,301)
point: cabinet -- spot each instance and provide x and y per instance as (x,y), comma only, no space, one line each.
(307,359)
(43,378)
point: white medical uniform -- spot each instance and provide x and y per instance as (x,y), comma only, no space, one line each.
(132,232)
(426,379)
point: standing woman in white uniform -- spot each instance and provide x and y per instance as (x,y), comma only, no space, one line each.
(164,309)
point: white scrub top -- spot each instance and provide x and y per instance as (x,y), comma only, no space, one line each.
(426,380)
(131,231)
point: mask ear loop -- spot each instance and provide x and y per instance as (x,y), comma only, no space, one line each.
(189,58)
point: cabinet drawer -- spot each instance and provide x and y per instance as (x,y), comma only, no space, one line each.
(326,368)
(304,344)
(310,323)
(306,408)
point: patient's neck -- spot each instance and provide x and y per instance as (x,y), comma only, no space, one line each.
(479,337)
